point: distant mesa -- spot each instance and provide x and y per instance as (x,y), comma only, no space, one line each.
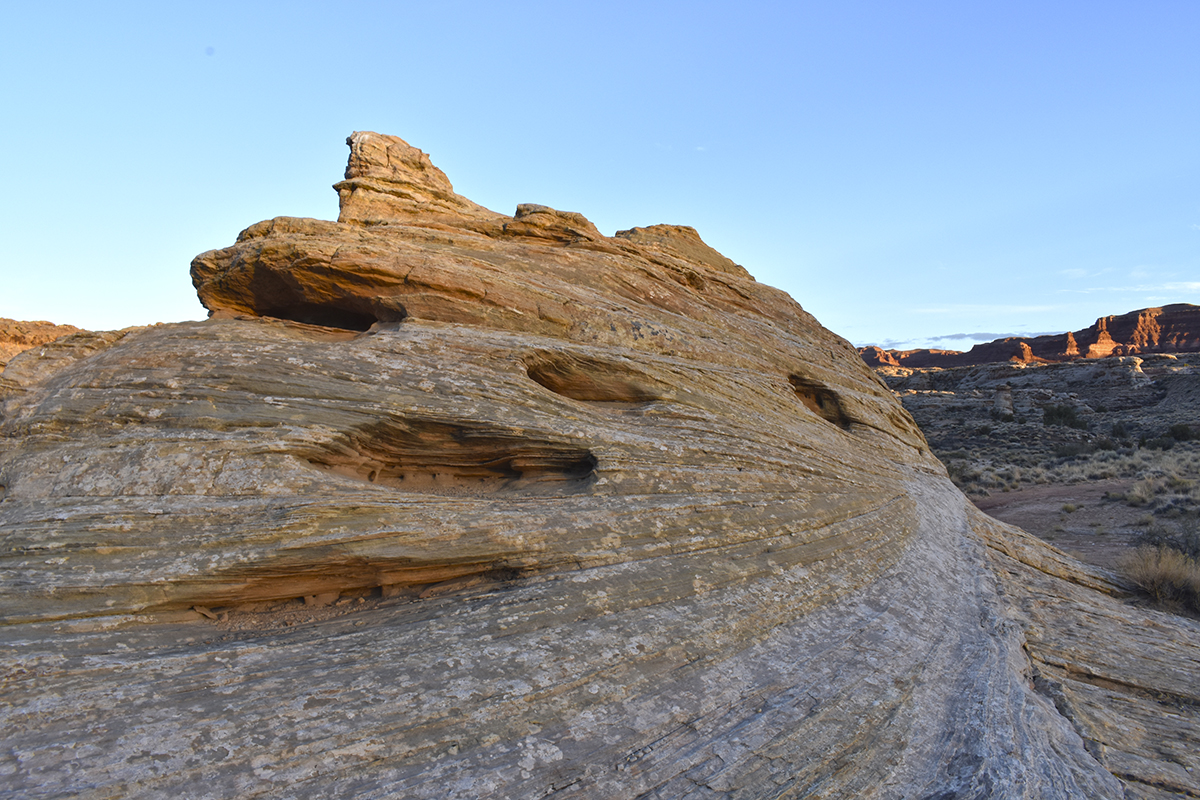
(1172,328)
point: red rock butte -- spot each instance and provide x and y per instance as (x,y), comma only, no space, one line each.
(1171,328)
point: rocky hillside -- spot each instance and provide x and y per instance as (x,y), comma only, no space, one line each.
(445,503)
(1115,441)
(1170,329)
(17,336)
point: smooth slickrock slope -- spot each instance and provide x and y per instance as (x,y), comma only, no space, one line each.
(606,519)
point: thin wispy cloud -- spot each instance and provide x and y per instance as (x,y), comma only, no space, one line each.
(932,341)
(1076,272)
(969,308)
(1178,287)
(988,337)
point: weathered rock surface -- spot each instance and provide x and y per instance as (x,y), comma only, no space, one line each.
(605,518)
(1172,328)
(17,336)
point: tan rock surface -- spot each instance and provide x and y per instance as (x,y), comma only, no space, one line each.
(568,514)
(17,336)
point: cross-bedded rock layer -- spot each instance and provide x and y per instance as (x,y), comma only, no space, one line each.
(627,524)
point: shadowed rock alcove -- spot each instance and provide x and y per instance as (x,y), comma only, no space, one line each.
(450,458)
(592,380)
(819,399)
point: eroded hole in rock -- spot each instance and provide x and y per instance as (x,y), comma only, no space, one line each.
(447,458)
(340,587)
(314,314)
(593,380)
(819,399)
(275,296)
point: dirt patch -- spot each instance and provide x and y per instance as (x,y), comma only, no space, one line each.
(1082,519)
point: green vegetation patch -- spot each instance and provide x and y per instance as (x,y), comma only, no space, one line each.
(1064,415)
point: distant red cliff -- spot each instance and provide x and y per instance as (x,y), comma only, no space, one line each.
(1172,328)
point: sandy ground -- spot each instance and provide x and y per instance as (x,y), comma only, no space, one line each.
(1098,531)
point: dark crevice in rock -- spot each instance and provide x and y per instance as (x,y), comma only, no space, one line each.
(592,380)
(820,399)
(277,295)
(450,458)
(269,588)
(324,316)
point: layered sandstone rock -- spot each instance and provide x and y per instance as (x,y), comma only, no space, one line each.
(554,512)
(1169,329)
(17,336)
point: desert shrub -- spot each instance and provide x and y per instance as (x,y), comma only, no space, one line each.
(1101,473)
(1119,431)
(1176,483)
(1165,574)
(1063,415)
(1142,492)
(1181,433)
(1072,449)
(1183,538)
(1070,508)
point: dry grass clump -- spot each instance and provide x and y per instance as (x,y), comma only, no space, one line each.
(1164,477)
(1166,574)
(1165,491)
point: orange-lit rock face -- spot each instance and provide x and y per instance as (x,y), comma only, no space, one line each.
(16,336)
(631,523)
(1168,329)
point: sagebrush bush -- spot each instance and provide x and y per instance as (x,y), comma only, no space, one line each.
(1142,492)
(1184,537)
(1181,433)
(1167,575)
(1063,415)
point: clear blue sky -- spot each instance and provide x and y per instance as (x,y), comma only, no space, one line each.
(905,170)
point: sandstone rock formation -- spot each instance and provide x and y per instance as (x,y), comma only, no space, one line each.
(17,336)
(877,357)
(568,514)
(1172,328)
